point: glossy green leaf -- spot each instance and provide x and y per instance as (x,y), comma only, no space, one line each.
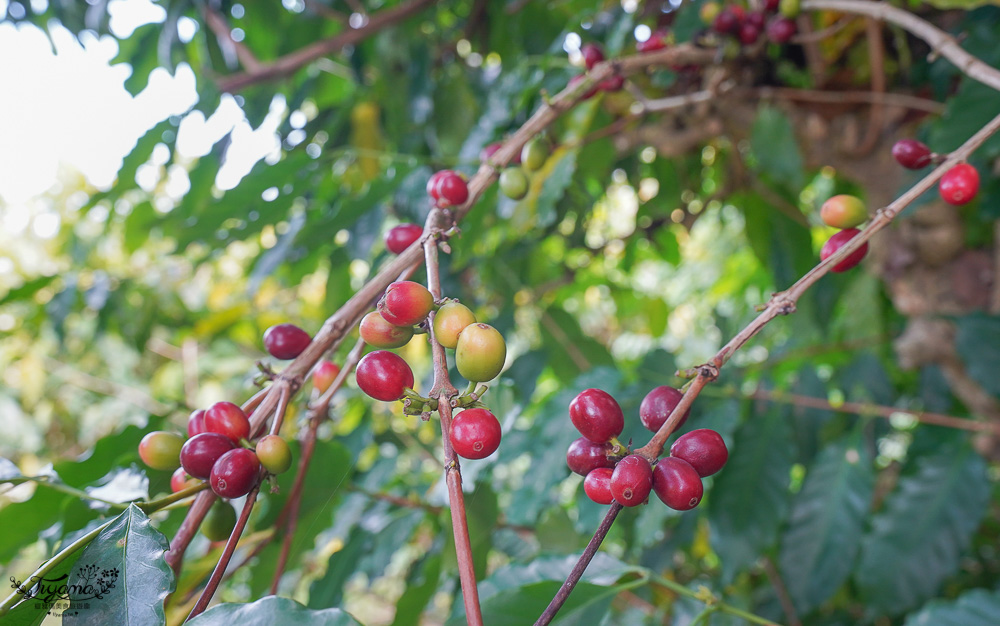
(269,611)
(978,607)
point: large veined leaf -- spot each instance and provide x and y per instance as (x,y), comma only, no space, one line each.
(975,608)
(917,539)
(750,496)
(270,611)
(978,343)
(775,148)
(827,518)
(125,564)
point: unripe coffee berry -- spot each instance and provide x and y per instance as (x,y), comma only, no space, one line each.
(400,237)
(227,419)
(161,450)
(911,154)
(480,353)
(220,521)
(379,333)
(703,449)
(383,375)
(449,321)
(475,433)
(657,406)
(632,480)
(596,415)
(959,185)
(274,454)
(677,484)
(513,183)
(836,242)
(534,154)
(235,473)
(597,485)
(285,341)
(324,375)
(843,211)
(405,303)
(584,456)
(200,453)
(196,423)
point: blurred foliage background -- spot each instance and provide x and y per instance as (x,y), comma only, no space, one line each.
(645,242)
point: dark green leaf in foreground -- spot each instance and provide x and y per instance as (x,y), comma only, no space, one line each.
(272,611)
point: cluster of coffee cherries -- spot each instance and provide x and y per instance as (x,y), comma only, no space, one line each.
(613,475)
(447,188)
(776,18)
(480,351)
(593,54)
(845,212)
(515,179)
(958,186)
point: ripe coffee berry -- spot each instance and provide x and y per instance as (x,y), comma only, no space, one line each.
(632,480)
(449,321)
(491,149)
(959,185)
(324,375)
(615,83)
(756,19)
(179,480)
(587,95)
(727,22)
(449,189)
(400,237)
(656,41)
(911,154)
(584,456)
(513,183)
(781,29)
(227,419)
(161,450)
(480,353)
(677,484)
(703,449)
(836,242)
(220,521)
(405,303)
(285,341)
(196,423)
(235,473)
(597,485)
(434,184)
(274,454)
(475,434)
(748,34)
(843,211)
(596,415)
(200,453)
(383,375)
(379,333)
(592,54)
(657,406)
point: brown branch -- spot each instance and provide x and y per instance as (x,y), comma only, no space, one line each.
(841,97)
(876,61)
(217,22)
(292,62)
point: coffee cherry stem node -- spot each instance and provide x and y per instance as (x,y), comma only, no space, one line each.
(689,373)
(416,397)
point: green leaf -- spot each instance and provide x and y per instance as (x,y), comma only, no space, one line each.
(750,495)
(826,523)
(973,608)
(775,148)
(269,611)
(22,522)
(782,245)
(27,290)
(586,606)
(127,560)
(978,344)
(343,564)
(421,585)
(917,539)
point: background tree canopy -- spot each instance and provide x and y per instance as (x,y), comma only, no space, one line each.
(861,483)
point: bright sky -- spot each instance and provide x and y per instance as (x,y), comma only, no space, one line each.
(64,108)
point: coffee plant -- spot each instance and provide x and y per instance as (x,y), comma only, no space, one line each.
(554,313)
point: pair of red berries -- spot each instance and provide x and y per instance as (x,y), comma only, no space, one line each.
(958,186)
(599,418)
(593,54)
(447,188)
(747,26)
(845,212)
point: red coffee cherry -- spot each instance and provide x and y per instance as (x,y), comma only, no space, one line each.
(748,34)
(379,333)
(656,41)
(843,211)
(383,375)
(235,473)
(959,185)
(771,5)
(727,22)
(286,341)
(491,149)
(434,184)
(677,484)
(449,189)
(200,453)
(196,423)
(703,449)
(161,450)
(227,419)
(480,352)
(592,54)
(836,242)
(615,83)
(597,485)
(589,93)
(584,456)
(449,322)
(757,19)
(475,434)
(179,480)
(596,415)
(400,237)
(911,154)
(324,375)
(781,29)
(632,480)
(657,406)
(405,303)
(274,454)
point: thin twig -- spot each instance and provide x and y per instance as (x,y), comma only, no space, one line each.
(840,97)
(224,34)
(781,591)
